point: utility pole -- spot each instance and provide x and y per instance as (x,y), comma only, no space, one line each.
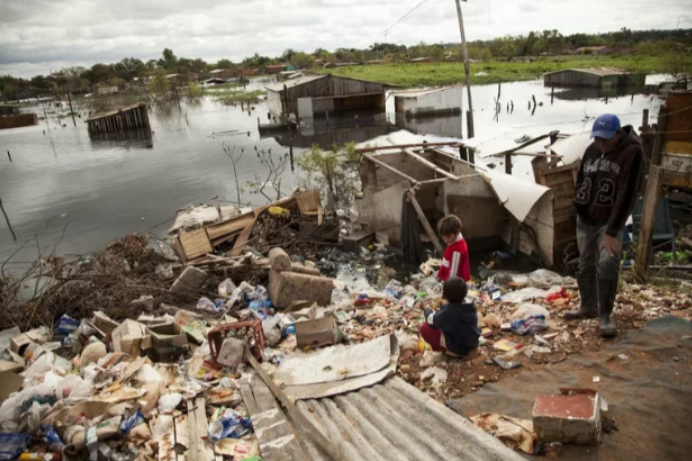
(466,70)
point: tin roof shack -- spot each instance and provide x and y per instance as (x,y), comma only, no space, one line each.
(317,95)
(437,101)
(603,77)
(8,110)
(494,207)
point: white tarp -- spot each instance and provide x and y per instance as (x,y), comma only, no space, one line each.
(517,195)
(572,148)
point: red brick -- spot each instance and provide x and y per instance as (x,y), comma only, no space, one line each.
(568,418)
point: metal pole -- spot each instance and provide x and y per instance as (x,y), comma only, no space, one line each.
(69,98)
(466,68)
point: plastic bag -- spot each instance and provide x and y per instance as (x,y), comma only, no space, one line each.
(160,427)
(66,325)
(12,445)
(261,309)
(531,325)
(258,294)
(523,295)
(169,402)
(229,424)
(394,289)
(74,387)
(226,288)
(207,304)
(164,271)
(131,421)
(528,310)
(431,285)
(272,333)
(52,439)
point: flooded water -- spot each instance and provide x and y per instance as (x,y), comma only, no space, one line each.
(81,193)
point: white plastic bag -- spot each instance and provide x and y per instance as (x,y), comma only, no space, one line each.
(74,388)
(527,310)
(169,402)
(226,288)
(523,295)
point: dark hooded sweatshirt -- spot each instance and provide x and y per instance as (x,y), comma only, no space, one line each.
(608,184)
(459,323)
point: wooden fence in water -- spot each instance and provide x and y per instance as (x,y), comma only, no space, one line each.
(126,118)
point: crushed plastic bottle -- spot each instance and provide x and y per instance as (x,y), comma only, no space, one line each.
(262,310)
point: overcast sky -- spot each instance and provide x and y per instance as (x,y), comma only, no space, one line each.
(39,36)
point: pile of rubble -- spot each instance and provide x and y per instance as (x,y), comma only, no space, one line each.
(137,356)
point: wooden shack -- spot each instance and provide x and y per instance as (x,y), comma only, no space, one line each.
(594,77)
(130,117)
(324,95)
(672,144)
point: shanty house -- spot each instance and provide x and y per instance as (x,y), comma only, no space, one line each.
(602,77)
(317,95)
(436,101)
(494,207)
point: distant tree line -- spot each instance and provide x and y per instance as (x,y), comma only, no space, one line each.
(673,43)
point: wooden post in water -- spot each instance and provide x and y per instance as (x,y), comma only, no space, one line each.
(9,156)
(7,220)
(552,95)
(508,164)
(645,120)
(469,122)
(69,98)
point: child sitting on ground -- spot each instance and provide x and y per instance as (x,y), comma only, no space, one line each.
(455,262)
(454,328)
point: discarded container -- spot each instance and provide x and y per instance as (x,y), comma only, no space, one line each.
(316,333)
(531,325)
(12,445)
(66,325)
(229,424)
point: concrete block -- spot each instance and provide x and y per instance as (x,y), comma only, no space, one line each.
(190,279)
(573,417)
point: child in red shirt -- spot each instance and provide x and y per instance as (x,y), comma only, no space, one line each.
(455,262)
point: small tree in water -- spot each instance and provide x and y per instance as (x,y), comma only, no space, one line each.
(159,85)
(333,171)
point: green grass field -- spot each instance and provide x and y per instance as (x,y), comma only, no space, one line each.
(445,73)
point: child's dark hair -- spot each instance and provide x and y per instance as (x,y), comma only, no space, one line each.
(449,225)
(454,290)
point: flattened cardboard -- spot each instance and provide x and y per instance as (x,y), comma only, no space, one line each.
(18,344)
(192,326)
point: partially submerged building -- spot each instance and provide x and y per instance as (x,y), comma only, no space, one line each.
(130,117)
(601,77)
(435,101)
(324,95)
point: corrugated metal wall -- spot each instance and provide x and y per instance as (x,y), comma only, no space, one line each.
(332,87)
(572,78)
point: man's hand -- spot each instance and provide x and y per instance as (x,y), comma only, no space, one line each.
(610,244)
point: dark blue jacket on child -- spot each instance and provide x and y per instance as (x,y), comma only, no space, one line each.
(459,323)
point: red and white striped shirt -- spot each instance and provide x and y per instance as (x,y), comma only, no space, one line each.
(455,262)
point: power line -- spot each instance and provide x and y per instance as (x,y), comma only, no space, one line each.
(384,32)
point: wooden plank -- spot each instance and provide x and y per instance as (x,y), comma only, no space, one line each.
(229,226)
(430,165)
(308,202)
(563,202)
(195,243)
(390,168)
(277,441)
(195,444)
(659,137)
(651,196)
(426,224)
(527,143)
(247,232)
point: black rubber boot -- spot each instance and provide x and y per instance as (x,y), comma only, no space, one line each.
(588,308)
(607,290)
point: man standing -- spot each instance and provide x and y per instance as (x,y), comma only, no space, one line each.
(607,189)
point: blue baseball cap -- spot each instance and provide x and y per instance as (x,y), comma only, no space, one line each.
(605,126)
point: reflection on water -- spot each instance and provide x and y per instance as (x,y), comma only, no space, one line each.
(131,139)
(576,94)
(99,190)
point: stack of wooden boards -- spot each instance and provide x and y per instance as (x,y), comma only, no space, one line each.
(195,246)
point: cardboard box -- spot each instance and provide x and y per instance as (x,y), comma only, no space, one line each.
(167,354)
(193,327)
(18,344)
(167,335)
(38,335)
(315,333)
(10,381)
(131,337)
(104,323)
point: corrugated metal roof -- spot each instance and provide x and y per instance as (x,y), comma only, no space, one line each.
(415,94)
(395,421)
(600,71)
(279,86)
(99,115)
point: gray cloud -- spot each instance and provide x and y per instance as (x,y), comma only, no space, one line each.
(37,36)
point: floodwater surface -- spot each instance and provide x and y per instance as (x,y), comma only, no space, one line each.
(79,194)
